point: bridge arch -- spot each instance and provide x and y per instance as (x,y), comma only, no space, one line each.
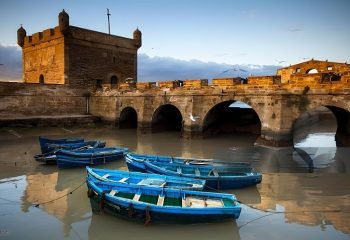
(167,117)
(231,116)
(128,118)
(325,115)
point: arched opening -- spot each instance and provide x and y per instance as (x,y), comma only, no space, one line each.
(128,118)
(342,136)
(41,79)
(231,117)
(315,128)
(167,118)
(326,126)
(312,70)
(114,81)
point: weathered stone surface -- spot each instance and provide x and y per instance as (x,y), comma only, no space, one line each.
(84,71)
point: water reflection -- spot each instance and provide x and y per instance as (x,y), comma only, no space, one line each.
(300,181)
(308,199)
(107,227)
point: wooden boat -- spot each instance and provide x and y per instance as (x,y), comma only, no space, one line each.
(135,161)
(155,204)
(50,157)
(125,177)
(52,147)
(47,158)
(92,156)
(44,141)
(217,177)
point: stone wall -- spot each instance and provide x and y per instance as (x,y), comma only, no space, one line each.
(90,61)
(20,99)
(43,55)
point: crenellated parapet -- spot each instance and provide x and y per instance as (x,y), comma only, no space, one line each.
(43,37)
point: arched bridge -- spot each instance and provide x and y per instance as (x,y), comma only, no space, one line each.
(195,108)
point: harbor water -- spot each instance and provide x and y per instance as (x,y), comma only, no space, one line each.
(304,194)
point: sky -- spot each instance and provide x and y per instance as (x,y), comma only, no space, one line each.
(192,39)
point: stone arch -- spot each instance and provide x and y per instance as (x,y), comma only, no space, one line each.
(114,80)
(167,117)
(128,118)
(41,79)
(225,117)
(112,77)
(340,114)
(311,71)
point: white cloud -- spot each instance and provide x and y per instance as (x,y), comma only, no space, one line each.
(167,68)
(10,63)
(149,68)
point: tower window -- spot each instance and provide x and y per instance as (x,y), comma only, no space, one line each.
(114,81)
(98,83)
(41,79)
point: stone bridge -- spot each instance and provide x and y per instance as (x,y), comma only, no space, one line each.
(195,108)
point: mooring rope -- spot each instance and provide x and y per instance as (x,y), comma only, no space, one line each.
(53,200)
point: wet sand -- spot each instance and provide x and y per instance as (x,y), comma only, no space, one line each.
(305,194)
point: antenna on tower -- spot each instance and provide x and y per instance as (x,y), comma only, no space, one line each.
(109,27)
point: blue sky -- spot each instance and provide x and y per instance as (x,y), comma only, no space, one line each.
(218,34)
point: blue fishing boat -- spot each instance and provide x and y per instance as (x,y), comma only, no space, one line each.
(217,177)
(45,141)
(156,180)
(52,147)
(155,204)
(47,158)
(91,156)
(50,156)
(135,161)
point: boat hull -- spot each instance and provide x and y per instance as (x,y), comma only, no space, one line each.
(45,141)
(124,177)
(140,211)
(213,182)
(81,158)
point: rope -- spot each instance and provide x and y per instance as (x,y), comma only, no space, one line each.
(53,200)
(279,212)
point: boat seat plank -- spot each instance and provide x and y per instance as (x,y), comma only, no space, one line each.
(137,197)
(195,202)
(214,203)
(123,179)
(160,201)
(106,175)
(113,192)
(197,172)
(179,170)
(184,202)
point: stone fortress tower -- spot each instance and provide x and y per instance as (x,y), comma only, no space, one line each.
(79,57)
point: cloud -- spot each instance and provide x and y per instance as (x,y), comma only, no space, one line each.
(167,68)
(10,63)
(149,68)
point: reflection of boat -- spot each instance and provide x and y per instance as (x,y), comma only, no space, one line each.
(217,177)
(125,177)
(161,204)
(45,141)
(50,156)
(135,161)
(93,156)
(104,226)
